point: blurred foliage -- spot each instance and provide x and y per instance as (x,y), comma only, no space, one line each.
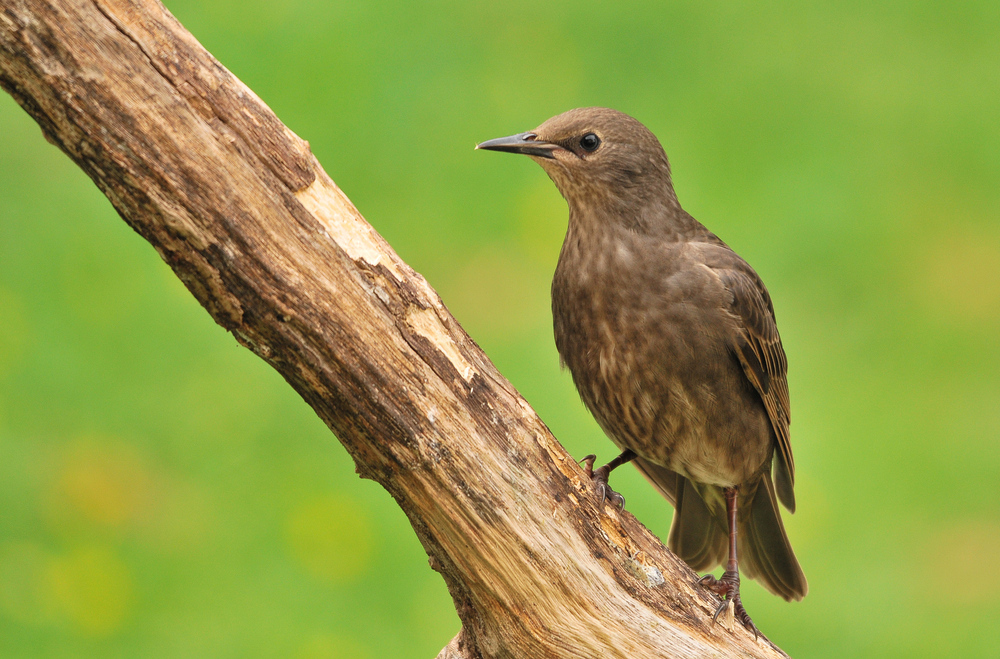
(163,493)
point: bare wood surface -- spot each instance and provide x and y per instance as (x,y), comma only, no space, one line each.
(240,209)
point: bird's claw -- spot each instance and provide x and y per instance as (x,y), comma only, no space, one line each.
(600,479)
(728,587)
(607,494)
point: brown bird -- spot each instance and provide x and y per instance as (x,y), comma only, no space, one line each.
(672,343)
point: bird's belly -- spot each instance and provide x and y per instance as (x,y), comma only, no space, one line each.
(677,399)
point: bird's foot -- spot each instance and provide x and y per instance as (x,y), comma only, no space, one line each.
(728,587)
(600,478)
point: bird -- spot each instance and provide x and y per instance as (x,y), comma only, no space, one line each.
(671,340)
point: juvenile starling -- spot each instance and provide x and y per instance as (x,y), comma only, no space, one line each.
(672,343)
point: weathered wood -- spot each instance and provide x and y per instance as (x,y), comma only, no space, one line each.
(240,209)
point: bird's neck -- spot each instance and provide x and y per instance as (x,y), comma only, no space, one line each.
(656,217)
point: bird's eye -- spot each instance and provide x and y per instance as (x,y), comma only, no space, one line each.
(590,142)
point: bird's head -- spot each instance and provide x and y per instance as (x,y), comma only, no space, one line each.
(596,156)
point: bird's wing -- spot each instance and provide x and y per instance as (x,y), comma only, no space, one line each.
(759,350)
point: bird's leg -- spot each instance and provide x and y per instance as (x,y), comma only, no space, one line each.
(600,477)
(729,585)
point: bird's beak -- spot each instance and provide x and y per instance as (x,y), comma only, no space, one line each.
(526,143)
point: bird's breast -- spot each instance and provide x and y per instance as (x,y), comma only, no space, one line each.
(645,340)
(612,328)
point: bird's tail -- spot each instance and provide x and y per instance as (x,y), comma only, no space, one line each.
(697,535)
(700,531)
(763,548)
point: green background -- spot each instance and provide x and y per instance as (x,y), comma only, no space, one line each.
(163,493)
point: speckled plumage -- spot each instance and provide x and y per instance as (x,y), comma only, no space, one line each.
(671,340)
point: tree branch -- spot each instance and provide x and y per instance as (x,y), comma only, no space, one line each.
(240,209)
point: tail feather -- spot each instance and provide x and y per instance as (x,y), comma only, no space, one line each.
(699,533)
(696,535)
(764,551)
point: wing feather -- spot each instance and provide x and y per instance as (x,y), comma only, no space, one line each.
(759,350)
